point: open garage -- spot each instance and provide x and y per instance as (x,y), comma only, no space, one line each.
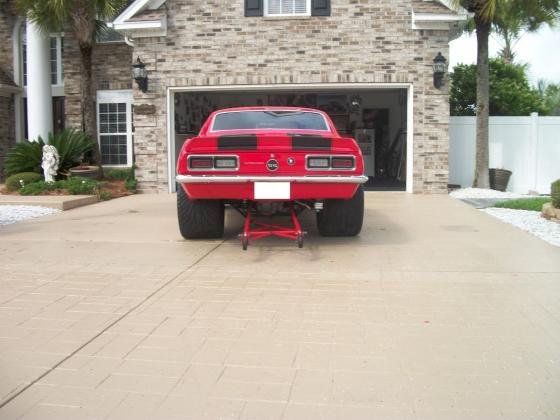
(377,117)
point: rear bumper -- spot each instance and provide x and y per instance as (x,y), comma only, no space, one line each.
(220,179)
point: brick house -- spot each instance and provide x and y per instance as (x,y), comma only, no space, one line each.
(368,64)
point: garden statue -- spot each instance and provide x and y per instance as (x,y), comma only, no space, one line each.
(51,159)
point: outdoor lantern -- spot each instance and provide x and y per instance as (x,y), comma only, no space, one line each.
(355,103)
(140,74)
(440,67)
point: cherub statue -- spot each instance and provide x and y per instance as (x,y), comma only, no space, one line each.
(50,162)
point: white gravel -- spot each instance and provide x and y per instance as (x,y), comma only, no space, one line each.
(483,193)
(529,221)
(14,214)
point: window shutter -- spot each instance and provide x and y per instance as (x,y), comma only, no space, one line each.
(320,7)
(254,8)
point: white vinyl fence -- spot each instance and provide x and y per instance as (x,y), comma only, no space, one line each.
(527,146)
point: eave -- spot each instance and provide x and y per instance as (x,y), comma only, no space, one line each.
(131,27)
(452,22)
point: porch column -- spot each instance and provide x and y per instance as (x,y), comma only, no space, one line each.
(39,99)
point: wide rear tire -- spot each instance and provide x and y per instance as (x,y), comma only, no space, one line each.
(199,219)
(342,217)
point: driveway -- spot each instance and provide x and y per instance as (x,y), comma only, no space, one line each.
(436,311)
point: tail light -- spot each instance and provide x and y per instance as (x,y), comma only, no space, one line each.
(213,163)
(318,162)
(227,162)
(342,163)
(201,162)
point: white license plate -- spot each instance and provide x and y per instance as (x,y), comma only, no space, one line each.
(272,190)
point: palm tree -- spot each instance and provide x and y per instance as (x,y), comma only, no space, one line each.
(485,14)
(84,19)
(512,23)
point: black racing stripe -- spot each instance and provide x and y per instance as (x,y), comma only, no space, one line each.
(311,143)
(237,142)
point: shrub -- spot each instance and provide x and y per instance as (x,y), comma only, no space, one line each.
(105,195)
(122,174)
(532,204)
(80,186)
(15,182)
(130,184)
(26,156)
(38,188)
(74,186)
(555,193)
(71,145)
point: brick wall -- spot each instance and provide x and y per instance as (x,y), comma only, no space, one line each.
(7,121)
(7,21)
(7,131)
(211,43)
(111,70)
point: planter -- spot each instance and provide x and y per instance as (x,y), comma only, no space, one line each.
(85,171)
(499,179)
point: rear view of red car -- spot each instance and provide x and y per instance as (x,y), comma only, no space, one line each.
(266,160)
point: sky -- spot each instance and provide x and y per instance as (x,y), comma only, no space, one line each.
(540,50)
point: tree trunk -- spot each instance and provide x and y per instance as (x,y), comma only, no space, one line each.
(89,124)
(507,53)
(481,176)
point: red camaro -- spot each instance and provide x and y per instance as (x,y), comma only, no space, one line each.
(267,160)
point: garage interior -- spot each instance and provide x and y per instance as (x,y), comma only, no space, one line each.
(376,118)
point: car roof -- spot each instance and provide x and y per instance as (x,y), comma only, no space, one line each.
(269,108)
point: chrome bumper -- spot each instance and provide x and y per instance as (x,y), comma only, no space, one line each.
(221,179)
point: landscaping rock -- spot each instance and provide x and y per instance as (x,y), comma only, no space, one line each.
(551,213)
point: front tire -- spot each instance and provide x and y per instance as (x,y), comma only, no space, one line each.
(199,219)
(342,217)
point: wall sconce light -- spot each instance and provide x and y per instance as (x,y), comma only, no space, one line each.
(440,67)
(355,103)
(140,75)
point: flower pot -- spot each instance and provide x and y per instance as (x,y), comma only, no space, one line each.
(85,171)
(499,179)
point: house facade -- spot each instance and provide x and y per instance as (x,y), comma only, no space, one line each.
(370,65)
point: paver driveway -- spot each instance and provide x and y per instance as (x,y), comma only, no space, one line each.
(435,311)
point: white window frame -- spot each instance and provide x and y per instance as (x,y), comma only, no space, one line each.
(307,13)
(115,97)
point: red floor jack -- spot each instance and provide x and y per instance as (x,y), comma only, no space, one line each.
(254,229)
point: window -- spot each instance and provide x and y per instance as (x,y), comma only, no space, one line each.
(56,48)
(287,7)
(115,129)
(269,120)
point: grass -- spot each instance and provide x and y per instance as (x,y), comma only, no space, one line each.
(533,204)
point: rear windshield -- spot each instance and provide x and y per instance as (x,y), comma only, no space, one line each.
(249,120)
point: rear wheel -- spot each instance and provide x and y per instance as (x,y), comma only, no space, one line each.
(199,219)
(342,217)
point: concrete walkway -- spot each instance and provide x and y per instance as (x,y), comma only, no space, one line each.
(436,311)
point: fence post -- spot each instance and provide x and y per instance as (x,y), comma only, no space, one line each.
(533,151)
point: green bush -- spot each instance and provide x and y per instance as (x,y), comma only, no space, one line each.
(555,193)
(15,182)
(80,186)
(71,145)
(38,188)
(122,174)
(130,184)
(105,195)
(532,204)
(26,156)
(74,186)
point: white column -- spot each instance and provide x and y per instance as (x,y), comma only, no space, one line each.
(39,99)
